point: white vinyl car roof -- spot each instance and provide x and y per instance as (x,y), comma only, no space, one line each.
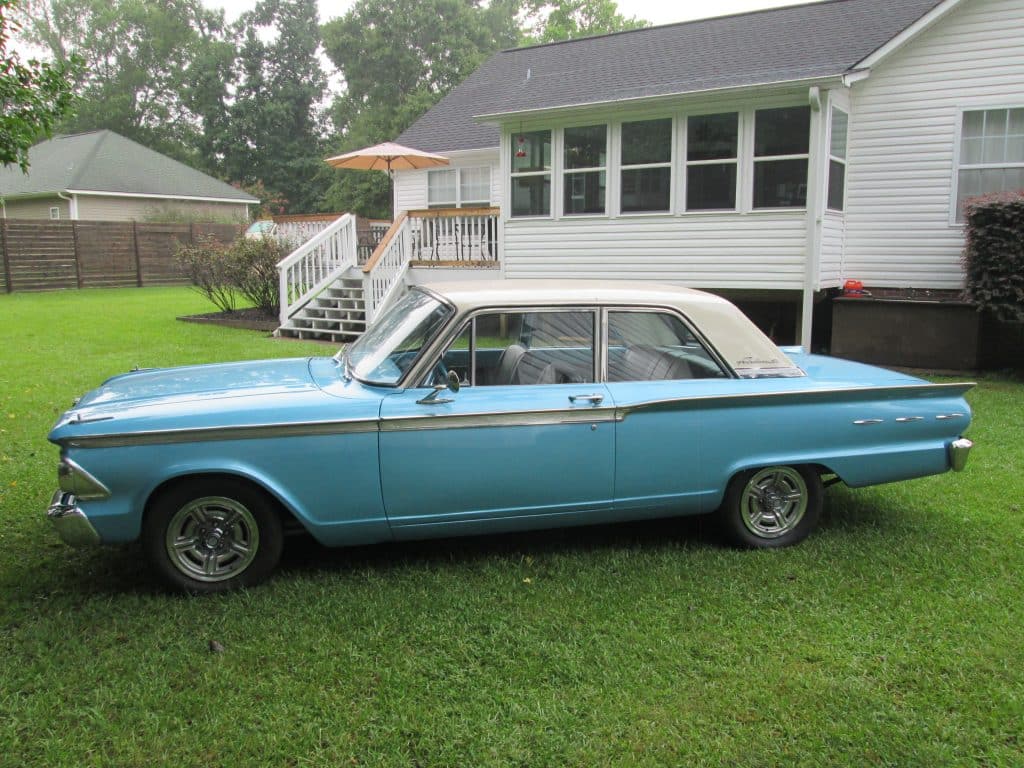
(740,343)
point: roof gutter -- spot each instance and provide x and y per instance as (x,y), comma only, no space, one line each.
(72,205)
(802,83)
(237,201)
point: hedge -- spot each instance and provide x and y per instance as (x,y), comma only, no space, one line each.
(994,255)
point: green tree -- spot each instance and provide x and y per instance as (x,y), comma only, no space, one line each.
(397,59)
(34,95)
(276,125)
(154,71)
(547,22)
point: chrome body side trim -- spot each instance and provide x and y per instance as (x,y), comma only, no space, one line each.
(908,419)
(867,422)
(515,419)
(948,416)
(959,450)
(70,522)
(211,434)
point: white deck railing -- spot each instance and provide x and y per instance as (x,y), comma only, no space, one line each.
(455,236)
(315,264)
(383,274)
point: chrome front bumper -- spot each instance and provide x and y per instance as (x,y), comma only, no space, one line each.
(71,523)
(958,453)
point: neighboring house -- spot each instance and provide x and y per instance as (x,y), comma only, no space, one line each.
(101,175)
(766,156)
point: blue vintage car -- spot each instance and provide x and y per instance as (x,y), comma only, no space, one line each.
(483,407)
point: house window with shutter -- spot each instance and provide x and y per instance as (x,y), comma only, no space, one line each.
(781,150)
(991,154)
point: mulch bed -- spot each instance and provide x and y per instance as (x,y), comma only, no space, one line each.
(251,319)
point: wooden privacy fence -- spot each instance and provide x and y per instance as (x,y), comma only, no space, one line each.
(44,255)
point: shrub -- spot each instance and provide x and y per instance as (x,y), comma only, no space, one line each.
(254,265)
(994,256)
(209,266)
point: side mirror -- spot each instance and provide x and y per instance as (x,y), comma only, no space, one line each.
(452,382)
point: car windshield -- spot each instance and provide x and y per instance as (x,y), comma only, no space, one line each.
(388,349)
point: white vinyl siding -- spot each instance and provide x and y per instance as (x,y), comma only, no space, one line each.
(833,232)
(411,186)
(36,208)
(102,208)
(761,251)
(904,127)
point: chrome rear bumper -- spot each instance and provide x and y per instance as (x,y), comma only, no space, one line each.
(70,522)
(958,452)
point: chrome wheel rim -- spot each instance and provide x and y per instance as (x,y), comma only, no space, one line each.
(212,539)
(774,501)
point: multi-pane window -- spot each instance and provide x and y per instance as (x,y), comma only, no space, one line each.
(712,145)
(459,187)
(781,150)
(837,160)
(991,154)
(54,212)
(646,166)
(585,166)
(531,173)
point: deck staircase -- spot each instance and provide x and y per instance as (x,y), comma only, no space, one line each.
(327,294)
(337,314)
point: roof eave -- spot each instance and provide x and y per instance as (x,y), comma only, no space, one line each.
(897,42)
(198,198)
(497,117)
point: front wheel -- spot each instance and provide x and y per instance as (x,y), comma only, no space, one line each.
(771,507)
(213,534)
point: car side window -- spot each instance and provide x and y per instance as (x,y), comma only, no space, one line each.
(656,346)
(522,348)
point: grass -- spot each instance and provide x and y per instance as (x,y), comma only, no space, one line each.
(894,636)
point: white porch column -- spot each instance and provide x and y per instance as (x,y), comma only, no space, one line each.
(815,211)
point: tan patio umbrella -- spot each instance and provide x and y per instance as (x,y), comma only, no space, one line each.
(387,157)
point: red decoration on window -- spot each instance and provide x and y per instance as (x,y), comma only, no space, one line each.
(521,142)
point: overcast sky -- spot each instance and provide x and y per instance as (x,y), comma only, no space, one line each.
(655,11)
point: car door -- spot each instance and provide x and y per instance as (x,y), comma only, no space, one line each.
(657,372)
(526,442)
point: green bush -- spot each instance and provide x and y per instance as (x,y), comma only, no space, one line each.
(254,261)
(994,256)
(209,266)
(246,267)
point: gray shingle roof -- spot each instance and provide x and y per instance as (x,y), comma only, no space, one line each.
(104,161)
(783,44)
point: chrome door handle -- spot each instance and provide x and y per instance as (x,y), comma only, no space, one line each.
(592,399)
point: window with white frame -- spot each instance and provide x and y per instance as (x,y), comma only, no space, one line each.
(584,175)
(646,173)
(459,187)
(837,160)
(781,151)
(712,160)
(54,212)
(531,173)
(991,154)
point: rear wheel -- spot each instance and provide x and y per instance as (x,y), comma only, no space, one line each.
(771,507)
(213,534)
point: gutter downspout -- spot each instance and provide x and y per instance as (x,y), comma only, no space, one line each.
(815,183)
(72,205)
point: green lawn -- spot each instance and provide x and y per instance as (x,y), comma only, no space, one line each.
(895,636)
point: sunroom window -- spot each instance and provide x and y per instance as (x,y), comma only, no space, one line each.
(781,150)
(531,173)
(646,166)
(837,160)
(585,162)
(991,154)
(712,144)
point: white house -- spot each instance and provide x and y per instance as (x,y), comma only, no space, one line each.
(766,156)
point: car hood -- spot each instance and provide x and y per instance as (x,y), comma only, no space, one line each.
(201,382)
